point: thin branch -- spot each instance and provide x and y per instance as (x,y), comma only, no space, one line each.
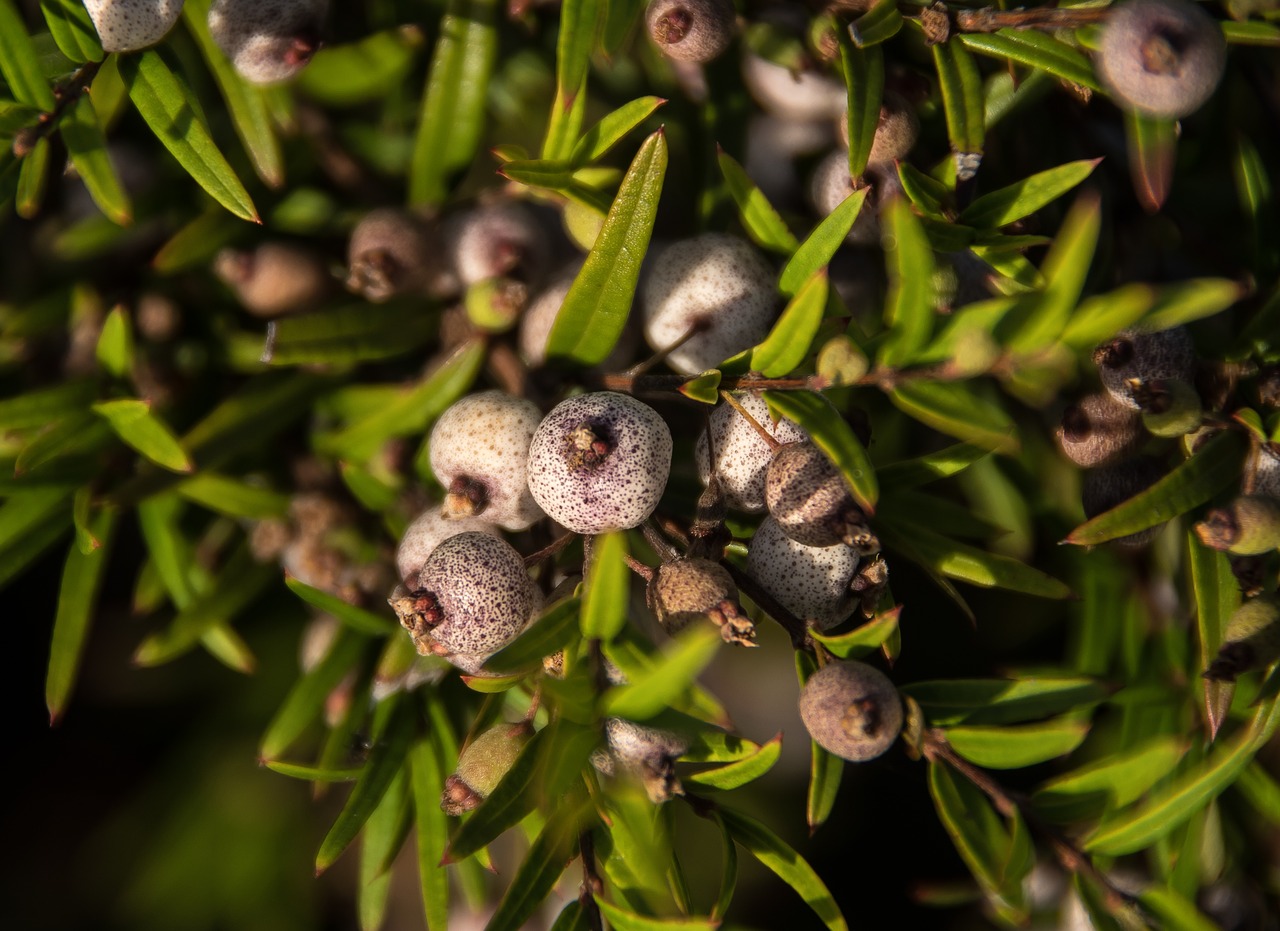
(551,549)
(592,884)
(64,96)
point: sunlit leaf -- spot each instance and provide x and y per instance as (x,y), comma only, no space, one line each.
(833,435)
(1015,746)
(19,62)
(608,581)
(88,150)
(820,245)
(863,68)
(909,307)
(958,410)
(366,622)
(759,219)
(675,671)
(792,335)
(142,430)
(72,29)
(1025,197)
(1003,701)
(600,139)
(1109,784)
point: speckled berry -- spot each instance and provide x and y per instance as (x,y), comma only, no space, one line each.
(473,596)
(811,502)
(394,251)
(429,530)
(268,41)
(716,284)
(852,710)
(540,316)
(690,30)
(742,455)
(896,131)
(1136,356)
(686,590)
(1248,526)
(773,145)
(646,752)
(481,766)
(275,278)
(502,239)
(812,582)
(1265,478)
(1104,488)
(600,462)
(479,452)
(804,95)
(128,25)
(1163,58)
(1098,430)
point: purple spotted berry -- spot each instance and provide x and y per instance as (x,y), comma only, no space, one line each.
(815,583)
(742,455)
(690,30)
(128,25)
(811,502)
(852,710)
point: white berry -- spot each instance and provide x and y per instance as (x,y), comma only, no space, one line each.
(268,40)
(812,582)
(742,455)
(128,25)
(429,530)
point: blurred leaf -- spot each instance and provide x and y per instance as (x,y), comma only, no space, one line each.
(863,68)
(600,139)
(1188,301)
(967,563)
(789,866)
(1217,594)
(163,104)
(707,743)
(313,773)
(1215,466)
(962,103)
(1109,784)
(380,842)
(876,25)
(363,71)
(1036,49)
(579,24)
(307,696)
(606,592)
(928,194)
(72,29)
(628,921)
(548,856)
(1173,911)
(358,619)
(32,541)
(143,431)
(33,175)
(833,435)
(552,630)
(428,775)
(505,807)
(792,335)
(385,763)
(197,242)
(735,775)
(1003,701)
(1261,791)
(1025,197)
(932,466)
(1158,307)
(909,306)
(956,409)
(759,219)
(245,102)
(675,671)
(729,869)
(87,148)
(595,309)
(41,406)
(82,576)
(1152,144)
(820,246)
(115,343)
(224,495)
(1016,746)
(355,333)
(19,62)
(863,639)
(452,117)
(571,917)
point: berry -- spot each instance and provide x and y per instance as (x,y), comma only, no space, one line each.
(812,582)
(502,239)
(128,25)
(809,499)
(690,30)
(896,132)
(1106,487)
(1170,407)
(742,455)
(646,752)
(803,95)
(268,40)
(479,449)
(773,145)
(716,285)
(1137,356)
(852,710)
(1249,526)
(275,278)
(429,530)
(481,766)
(831,184)
(1098,430)
(686,590)
(1163,58)
(473,596)
(1266,473)
(600,462)
(394,251)
(1251,640)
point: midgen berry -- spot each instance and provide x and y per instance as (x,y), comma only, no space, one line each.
(690,30)
(686,590)
(268,40)
(127,25)
(742,455)
(852,710)
(429,530)
(812,582)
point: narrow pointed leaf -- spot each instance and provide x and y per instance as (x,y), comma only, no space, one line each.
(862,640)
(825,768)
(33,176)
(1109,784)
(978,832)
(1174,912)
(864,84)
(552,630)
(427,773)
(962,103)
(608,582)
(142,430)
(161,101)
(734,775)
(909,306)
(88,150)
(879,24)
(312,773)
(624,920)
(224,495)
(1037,49)
(350,334)
(833,435)
(306,698)
(548,856)
(1025,197)
(363,71)
(820,245)
(72,29)
(967,563)
(932,466)
(115,344)
(20,63)
(1217,594)
(600,139)
(1003,701)
(792,335)
(41,406)
(595,309)
(579,23)
(759,219)
(1012,747)
(958,410)
(674,672)
(1153,144)
(366,622)
(380,841)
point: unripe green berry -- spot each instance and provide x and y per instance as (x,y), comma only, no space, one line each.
(811,502)
(1098,430)
(1137,356)
(852,710)
(1170,407)
(494,304)
(686,590)
(481,766)
(268,41)
(1251,640)
(1248,526)
(1106,487)
(812,582)
(128,25)
(742,455)
(690,30)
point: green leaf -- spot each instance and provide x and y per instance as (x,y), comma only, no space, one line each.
(967,563)
(789,866)
(1003,701)
(41,406)
(820,245)
(1025,197)
(1261,791)
(879,24)
(675,671)
(82,576)
(452,119)
(729,870)
(792,335)
(833,435)
(909,306)
(962,103)
(1152,144)
(1173,911)
(600,139)
(864,639)
(381,841)
(579,23)
(595,309)
(246,103)
(358,619)
(349,334)
(428,775)
(624,920)
(1102,316)
(88,150)
(364,71)
(735,775)
(1012,747)
(505,807)
(33,175)
(115,343)
(72,29)
(163,103)
(20,63)
(928,194)
(224,495)
(864,84)
(932,466)
(986,845)
(704,388)
(608,582)
(385,762)
(548,856)
(1217,594)
(552,630)
(1188,301)
(707,743)
(956,409)
(313,773)
(306,698)
(1215,466)
(133,422)
(1111,783)
(1037,49)
(759,219)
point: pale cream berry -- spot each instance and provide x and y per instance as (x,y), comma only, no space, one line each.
(742,455)
(394,251)
(275,278)
(429,530)
(690,30)
(502,239)
(128,25)
(812,582)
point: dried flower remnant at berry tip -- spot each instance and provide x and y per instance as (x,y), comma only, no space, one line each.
(690,30)
(852,710)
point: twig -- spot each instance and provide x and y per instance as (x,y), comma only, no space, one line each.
(592,884)
(64,96)
(551,549)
